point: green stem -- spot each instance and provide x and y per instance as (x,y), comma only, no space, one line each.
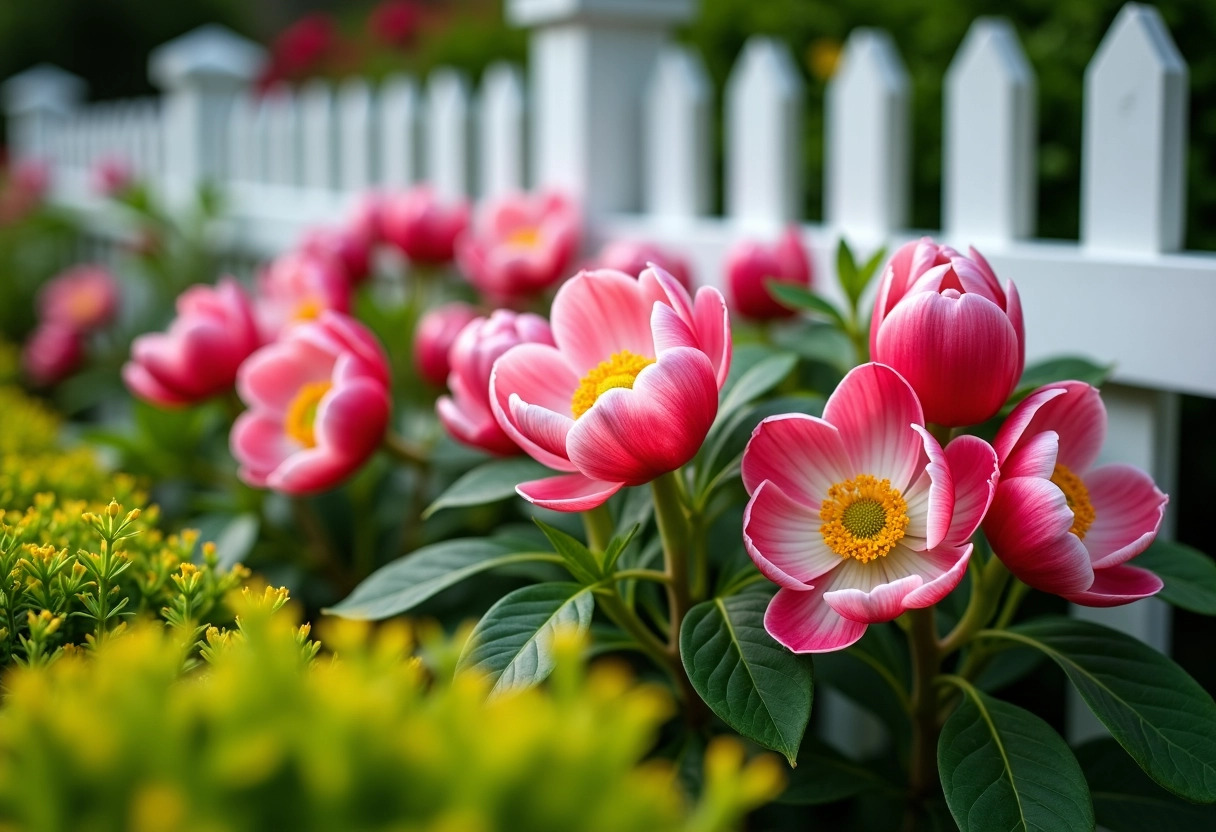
(985,593)
(599,527)
(1012,601)
(641,575)
(616,609)
(674,531)
(926,662)
(404,450)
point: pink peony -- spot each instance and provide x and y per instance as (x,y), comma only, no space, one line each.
(1060,524)
(52,353)
(466,413)
(434,336)
(318,406)
(85,298)
(633,258)
(423,226)
(861,515)
(751,264)
(395,22)
(520,246)
(198,357)
(112,175)
(944,322)
(298,287)
(627,394)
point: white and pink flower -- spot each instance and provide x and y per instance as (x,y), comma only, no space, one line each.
(297,288)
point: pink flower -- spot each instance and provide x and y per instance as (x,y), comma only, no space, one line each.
(943,321)
(751,264)
(1060,524)
(198,357)
(627,394)
(345,247)
(112,175)
(423,226)
(861,515)
(298,287)
(84,297)
(318,406)
(633,258)
(27,184)
(434,336)
(466,413)
(52,353)
(520,246)
(395,22)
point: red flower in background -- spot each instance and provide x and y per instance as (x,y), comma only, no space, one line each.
(395,22)
(299,48)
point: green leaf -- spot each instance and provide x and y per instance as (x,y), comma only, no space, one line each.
(1127,801)
(1158,713)
(871,266)
(751,682)
(616,546)
(802,299)
(407,582)
(1063,368)
(824,775)
(513,642)
(1004,768)
(577,557)
(846,271)
(1188,574)
(487,483)
(757,381)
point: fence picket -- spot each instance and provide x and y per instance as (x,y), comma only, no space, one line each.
(400,119)
(282,146)
(678,165)
(500,130)
(318,147)
(356,156)
(447,133)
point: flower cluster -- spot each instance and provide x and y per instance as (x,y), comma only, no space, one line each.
(71,306)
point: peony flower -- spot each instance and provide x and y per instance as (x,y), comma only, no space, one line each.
(751,264)
(84,298)
(633,258)
(26,186)
(52,353)
(1060,524)
(198,356)
(318,406)
(520,246)
(423,226)
(466,414)
(627,394)
(943,322)
(298,287)
(395,22)
(434,336)
(861,515)
(112,175)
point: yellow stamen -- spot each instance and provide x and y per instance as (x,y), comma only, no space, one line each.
(621,370)
(863,518)
(526,237)
(302,413)
(1077,496)
(308,309)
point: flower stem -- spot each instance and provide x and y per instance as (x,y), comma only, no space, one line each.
(986,592)
(598,524)
(926,662)
(404,450)
(674,531)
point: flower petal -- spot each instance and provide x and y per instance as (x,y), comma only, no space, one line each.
(544,428)
(1075,413)
(711,322)
(950,564)
(539,375)
(874,409)
(801,454)
(1128,509)
(974,468)
(599,313)
(782,536)
(311,471)
(271,378)
(1034,456)
(260,445)
(804,623)
(1017,423)
(940,507)
(351,419)
(1028,526)
(570,492)
(1116,586)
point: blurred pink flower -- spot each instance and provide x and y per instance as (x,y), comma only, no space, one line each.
(112,175)
(84,297)
(423,226)
(24,188)
(632,257)
(434,337)
(751,264)
(52,353)
(298,287)
(395,22)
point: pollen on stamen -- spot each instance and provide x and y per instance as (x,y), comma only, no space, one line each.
(863,518)
(619,371)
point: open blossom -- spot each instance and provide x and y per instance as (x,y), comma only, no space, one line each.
(627,394)
(632,257)
(112,175)
(520,245)
(1060,524)
(318,406)
(423,225)
(434,336)
(84,297)
(198,356)
(861,515)
(945,323)
(298,287)
(466,414)
(751,264)
(52,353)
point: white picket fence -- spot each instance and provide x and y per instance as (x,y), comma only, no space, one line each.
(614,114)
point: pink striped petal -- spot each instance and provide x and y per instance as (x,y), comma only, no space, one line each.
(1128,509)
(659,286)
(940,507)
(271,378)
(884,603)
(711,321)
(544,428)
(570,492)
(1016,424)
(1028,526)
(1013,308)
(351,419)
(783,539)
(801,454)
(975,472)
(1116,586)
(943,570)
(670,330)
(474,426)
(874,409)
(311,471)
(804,623)
(635,435)
(259,445)
(1079,417)
(149,388)
(599,313)
(539,375)
(1034,456)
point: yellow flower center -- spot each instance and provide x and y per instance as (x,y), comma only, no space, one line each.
(621,370)
(863,518)
(308,309)
(1077,496)
(302,413)
(526,237)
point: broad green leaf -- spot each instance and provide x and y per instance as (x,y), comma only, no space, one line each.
(1004,768)
(846,270)
(487,483)
(577,557)
(751,682)
(1125,800)
(407,582)
(1063,368)
(1189,575)
(802,299)
(513,642)
(757,381)
(824,775)
(1158,713)
(871,266)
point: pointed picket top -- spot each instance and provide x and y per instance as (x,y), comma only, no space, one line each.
(763,136)
(500,130)
(282,138)
(678,165)
(400,118)
(868,137)
(318,131)
(356,112)
(1133,177)
(989,138)
(447,133)
(44,87)
(211,52)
